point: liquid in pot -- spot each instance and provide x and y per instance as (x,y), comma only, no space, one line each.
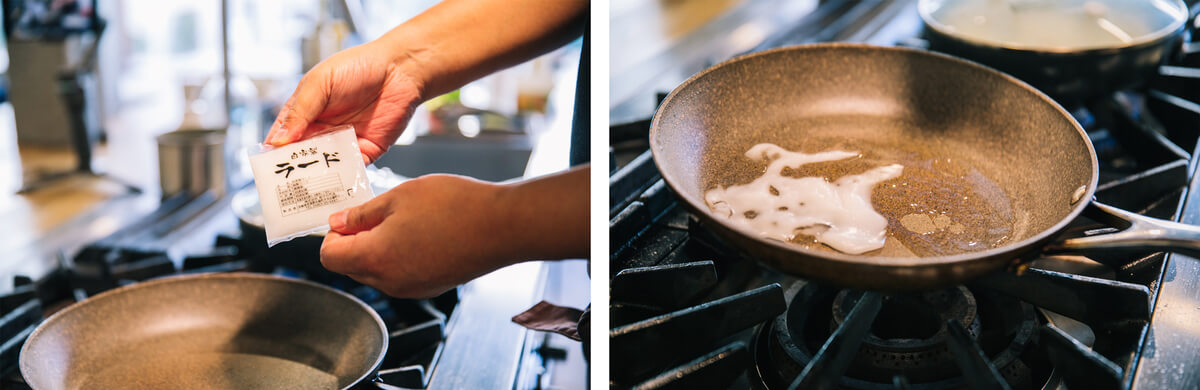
(1053,24)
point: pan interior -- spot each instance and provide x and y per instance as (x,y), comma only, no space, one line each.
(217,332)
(946,201)
(179,360)
(987,161)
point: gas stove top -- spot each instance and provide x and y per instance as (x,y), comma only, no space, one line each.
(417,328)
(688,309)
(433,343)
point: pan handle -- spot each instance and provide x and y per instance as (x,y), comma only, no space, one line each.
(1137,232)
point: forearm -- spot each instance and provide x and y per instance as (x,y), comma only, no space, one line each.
(457,41)
(546,218)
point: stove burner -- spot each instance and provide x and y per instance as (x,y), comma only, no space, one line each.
(417,328)
(908,341)
(1145,139)
(662,339)
(909,335)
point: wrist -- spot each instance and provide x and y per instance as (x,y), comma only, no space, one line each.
(545,218)
(410,58)
(510,222)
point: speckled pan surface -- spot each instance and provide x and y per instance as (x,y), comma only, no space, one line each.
(235,330)
(888,103)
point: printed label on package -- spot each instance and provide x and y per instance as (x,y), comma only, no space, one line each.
(301,184)
(308,193)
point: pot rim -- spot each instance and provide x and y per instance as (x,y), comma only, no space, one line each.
(1181,14)
(190,137)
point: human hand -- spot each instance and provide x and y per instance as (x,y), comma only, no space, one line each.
(361,86)
(423,237)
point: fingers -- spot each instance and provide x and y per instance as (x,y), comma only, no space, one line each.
(346,254)
(363,217)
(340,254)
(298,114)
(343,250)
(370,150)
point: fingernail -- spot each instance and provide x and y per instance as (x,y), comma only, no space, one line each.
(337,221)
(278,136)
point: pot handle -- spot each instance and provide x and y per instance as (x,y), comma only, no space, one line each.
(1137,232)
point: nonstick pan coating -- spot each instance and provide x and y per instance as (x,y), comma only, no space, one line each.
(208,331)
(948,120)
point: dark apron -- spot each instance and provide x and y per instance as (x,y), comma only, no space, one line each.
(581,121)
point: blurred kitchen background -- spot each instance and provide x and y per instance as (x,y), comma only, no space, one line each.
(124,131)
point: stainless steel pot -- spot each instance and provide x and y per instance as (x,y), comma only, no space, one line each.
(1070,74)
(192,162)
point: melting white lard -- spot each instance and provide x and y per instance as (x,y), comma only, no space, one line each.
(838,214)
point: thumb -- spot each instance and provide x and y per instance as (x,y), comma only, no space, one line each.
(359,218)
(340,254)
(302,108)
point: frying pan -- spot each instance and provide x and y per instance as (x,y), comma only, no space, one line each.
(1071,74)
(235,330)
(994,154)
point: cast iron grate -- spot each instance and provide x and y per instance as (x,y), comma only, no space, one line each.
(1093,310)
(417,328)
(658,341)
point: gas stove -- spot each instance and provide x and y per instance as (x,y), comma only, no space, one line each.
(688,310)
(434,343)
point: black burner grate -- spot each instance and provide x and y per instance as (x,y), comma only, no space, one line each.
(1084,317)
(417,328)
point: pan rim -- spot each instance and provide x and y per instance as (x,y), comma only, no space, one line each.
(57,317)
(1150,39)
(876,261)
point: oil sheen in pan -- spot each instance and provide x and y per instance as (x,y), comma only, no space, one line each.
(206,359)
(945,202)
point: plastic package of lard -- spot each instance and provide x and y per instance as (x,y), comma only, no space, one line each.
(302,183)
